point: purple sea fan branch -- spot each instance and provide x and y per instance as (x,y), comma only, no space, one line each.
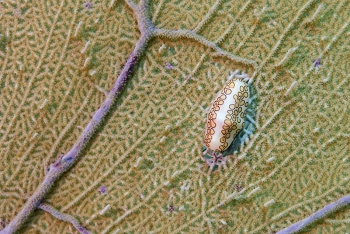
(317,215)
(65,162)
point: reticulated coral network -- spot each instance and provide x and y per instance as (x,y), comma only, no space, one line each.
(81,153)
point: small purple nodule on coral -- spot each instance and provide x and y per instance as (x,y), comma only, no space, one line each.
(237,187)
(317,63)
(169,66)
(171,208)
(102,189)
(87,5)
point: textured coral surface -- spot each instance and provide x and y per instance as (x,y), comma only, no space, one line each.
(142,171)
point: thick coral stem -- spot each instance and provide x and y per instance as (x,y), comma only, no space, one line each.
(317,215)
(65,162)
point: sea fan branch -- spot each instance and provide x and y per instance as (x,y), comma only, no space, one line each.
(132,5)
(317,215)
(175,34)
(65,162)
(64,217)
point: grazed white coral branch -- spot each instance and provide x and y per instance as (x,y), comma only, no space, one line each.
(208,16)
(284,34)
(317,215)
(315,14)
(288,54)
(64,217)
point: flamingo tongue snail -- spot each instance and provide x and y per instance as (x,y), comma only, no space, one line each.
(226,115)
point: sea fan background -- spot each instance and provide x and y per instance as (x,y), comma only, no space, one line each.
(58,59)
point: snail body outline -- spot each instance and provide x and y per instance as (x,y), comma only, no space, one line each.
(227,113)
